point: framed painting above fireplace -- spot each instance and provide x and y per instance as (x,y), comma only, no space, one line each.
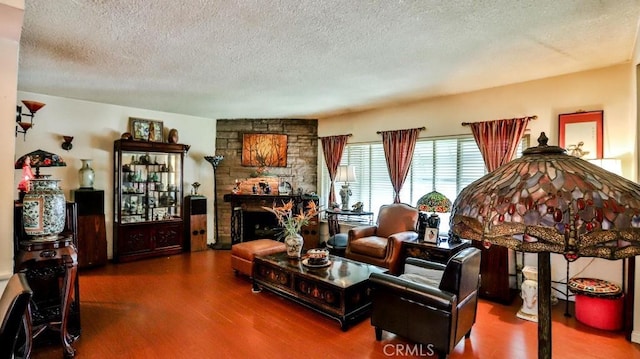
(264,150)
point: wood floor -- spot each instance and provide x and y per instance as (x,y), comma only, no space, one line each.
(193,306)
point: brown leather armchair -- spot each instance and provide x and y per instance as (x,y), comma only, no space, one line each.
(381,244)
(437,315)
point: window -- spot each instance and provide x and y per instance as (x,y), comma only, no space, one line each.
(446,165)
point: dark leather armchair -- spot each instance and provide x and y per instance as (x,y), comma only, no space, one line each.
(437,315)
(381,244)
(15,318)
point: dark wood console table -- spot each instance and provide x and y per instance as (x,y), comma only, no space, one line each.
(44,260)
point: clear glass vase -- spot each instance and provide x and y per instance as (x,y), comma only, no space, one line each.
(87,175)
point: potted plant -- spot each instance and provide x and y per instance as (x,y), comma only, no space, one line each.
(291,224)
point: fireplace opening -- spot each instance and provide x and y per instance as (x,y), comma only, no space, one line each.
(259,224)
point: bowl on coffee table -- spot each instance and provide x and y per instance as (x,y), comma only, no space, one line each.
(316,257)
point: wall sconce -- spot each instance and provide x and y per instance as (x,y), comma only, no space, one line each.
(66,145)
(33,107)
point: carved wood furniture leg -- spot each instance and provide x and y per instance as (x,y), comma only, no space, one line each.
(71,264)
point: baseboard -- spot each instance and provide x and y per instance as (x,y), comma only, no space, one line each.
(635,336)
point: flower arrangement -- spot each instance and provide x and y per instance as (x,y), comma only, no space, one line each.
(290,221)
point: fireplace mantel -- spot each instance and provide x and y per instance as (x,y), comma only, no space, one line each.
(255,202)
(244,217)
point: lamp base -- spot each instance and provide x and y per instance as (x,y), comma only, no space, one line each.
(345,192)
(454,239)
(433,221)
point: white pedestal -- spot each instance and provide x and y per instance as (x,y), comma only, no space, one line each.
(529,294)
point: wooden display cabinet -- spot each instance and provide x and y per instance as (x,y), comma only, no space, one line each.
(148,193)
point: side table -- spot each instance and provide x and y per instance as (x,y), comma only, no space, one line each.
(47,259)
(362,217)
(437,252)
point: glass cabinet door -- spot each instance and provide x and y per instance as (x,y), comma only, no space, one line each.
(150,186)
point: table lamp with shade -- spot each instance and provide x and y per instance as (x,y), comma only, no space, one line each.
(550,202)
(434,202)
(345,175)
(40,158)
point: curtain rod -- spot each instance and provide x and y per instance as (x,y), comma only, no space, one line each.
(348,135)
(534,117)
(421,129)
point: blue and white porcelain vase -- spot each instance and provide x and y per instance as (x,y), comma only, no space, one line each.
(43,209)
(293,244)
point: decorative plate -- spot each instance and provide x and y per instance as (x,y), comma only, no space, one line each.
(306,263)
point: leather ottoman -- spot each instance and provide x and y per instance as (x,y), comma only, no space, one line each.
(242,253)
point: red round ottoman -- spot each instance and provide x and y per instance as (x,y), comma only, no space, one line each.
(599,303)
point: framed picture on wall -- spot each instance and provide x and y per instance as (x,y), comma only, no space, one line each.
(581,134)
(264,150)
(146,130)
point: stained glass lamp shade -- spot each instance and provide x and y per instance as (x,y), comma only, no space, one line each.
(40,158)
(547,201)
(434,202)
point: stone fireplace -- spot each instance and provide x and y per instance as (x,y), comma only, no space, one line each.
(301,171)
(250,221)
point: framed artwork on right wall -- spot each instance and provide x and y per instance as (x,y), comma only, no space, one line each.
(581,133)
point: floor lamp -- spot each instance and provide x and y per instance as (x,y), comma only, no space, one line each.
(547,201)
(215,161)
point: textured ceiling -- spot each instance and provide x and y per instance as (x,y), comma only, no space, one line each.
(305,58)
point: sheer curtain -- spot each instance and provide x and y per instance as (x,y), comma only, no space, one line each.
(332,147)
(498,140)
(398,151)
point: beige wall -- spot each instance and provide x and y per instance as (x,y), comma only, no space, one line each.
(94,127)
(636,100)
(610,89)
(11,15)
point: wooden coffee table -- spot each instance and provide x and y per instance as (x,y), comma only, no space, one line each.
(339,290)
